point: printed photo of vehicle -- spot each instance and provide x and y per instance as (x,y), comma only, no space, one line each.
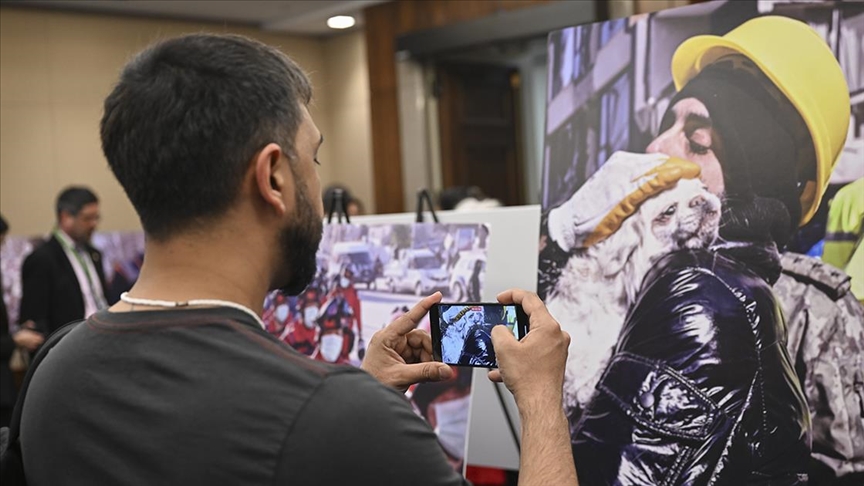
(418,271)
(356,255)
(462,287)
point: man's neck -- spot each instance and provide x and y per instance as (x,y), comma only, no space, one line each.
(71,242)
(187,268)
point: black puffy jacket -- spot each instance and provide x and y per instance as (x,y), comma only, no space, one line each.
(478,350)
(700,389)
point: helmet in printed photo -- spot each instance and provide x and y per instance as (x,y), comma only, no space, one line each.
(801,65)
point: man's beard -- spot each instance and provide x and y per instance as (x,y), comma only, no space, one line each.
(754,219)
(299,242)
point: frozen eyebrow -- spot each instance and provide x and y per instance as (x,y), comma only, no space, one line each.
(695,121)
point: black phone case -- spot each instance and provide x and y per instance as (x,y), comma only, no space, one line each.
(435,330)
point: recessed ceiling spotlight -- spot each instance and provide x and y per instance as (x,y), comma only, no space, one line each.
(340,22)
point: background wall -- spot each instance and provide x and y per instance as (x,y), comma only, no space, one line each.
(349,137)
(56,69)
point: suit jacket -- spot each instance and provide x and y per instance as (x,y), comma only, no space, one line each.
(51,295)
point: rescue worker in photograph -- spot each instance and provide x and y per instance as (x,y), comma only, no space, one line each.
(344,288)
(844,237)
(701,388)
(782,147)
(335,337)
(278,313)
(302,332)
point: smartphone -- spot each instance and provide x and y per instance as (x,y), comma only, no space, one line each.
(462,333)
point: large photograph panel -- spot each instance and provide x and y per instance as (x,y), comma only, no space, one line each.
(712,138)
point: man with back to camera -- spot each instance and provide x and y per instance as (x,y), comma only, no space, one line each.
(212,141)
(63,280)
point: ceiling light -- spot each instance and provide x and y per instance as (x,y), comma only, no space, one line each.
(340,22)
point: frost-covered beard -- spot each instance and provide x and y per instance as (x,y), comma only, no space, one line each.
(755,219)
(754,233)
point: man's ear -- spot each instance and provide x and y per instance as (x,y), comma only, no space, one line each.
(63,219)
(271,178)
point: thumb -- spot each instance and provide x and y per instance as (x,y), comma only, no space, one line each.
(502,337)
(423,372)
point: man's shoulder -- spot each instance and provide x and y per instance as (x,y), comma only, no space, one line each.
(46,257)
(802,273)
(213,385)
(364,390)
(815,296)
(217,333)
(179,338)
(374,432)
(699,288)
(243,363)
(689,270)
(45,250)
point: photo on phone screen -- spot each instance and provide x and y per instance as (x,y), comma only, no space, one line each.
(462,333)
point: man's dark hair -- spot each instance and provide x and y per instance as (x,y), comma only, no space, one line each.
(187,116)
(4,226)
(72,199)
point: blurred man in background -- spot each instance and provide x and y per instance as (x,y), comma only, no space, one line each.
(63,279)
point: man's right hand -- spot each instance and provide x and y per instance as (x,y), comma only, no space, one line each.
(532,368)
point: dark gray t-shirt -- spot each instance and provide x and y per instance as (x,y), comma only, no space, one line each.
(207,397)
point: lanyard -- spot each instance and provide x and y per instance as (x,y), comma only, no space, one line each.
(81,261)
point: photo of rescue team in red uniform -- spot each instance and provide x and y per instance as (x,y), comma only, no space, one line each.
(323,322)
(359,276)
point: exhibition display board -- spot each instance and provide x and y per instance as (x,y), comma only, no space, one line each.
(510,263)
(367,276)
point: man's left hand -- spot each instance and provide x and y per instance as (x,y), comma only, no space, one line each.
(400,355)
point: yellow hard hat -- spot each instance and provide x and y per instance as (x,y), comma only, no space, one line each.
(796,59)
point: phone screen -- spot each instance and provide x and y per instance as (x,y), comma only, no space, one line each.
(462,333)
